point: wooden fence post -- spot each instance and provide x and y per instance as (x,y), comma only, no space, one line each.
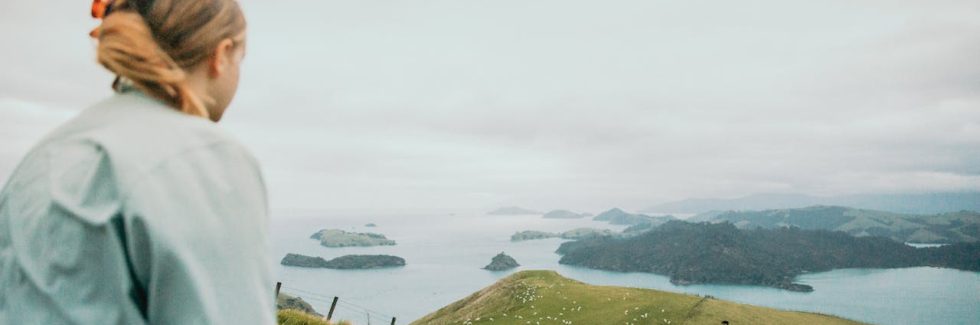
(332,306)
(278,285)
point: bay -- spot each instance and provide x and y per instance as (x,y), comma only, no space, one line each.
(445,253)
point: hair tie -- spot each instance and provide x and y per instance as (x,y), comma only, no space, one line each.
(101,8)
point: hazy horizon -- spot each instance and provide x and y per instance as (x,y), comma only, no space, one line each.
(583,105)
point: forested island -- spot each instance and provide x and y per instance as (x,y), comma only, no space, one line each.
(564,214)
(616,216)
(340,238)
(692,253)
(346,262)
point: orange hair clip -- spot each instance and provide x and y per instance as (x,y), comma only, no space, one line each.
(101,8)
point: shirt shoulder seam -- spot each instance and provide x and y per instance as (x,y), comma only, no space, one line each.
(145,173)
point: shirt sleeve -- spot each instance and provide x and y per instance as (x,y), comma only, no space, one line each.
(196,226)
(61,251)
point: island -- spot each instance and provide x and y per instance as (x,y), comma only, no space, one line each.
(501,262)
(370,225)
(563,214)
(692,253)
(616,216)
(532,235)
(346,262)
(513,211)
(586,233)
(577,233)
(340,238)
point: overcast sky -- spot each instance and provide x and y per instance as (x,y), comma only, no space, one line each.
(406,105)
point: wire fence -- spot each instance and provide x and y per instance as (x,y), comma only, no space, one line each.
(339,308)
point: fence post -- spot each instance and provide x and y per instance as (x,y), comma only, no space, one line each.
(332,306)
(278,285)
(392,321)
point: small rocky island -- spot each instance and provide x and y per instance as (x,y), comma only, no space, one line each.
(501,262)
(340,238)
(577,233)
(346,262)
(371,224)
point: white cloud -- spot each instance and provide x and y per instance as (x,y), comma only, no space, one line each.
(580,104)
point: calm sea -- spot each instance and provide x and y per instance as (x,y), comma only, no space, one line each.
(445,253)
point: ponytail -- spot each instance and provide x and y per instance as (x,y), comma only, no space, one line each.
(132,45)
(127,47)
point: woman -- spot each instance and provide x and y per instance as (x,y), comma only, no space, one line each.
(140,209)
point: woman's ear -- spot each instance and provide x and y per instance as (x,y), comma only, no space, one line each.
(219,62)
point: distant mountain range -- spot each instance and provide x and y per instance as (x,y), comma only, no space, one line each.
(616,216)
(950,227)
(513,211)
(928,203)
(564,214)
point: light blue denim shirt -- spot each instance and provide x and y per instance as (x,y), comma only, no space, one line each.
(135,213)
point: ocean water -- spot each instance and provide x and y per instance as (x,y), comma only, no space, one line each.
(445,253)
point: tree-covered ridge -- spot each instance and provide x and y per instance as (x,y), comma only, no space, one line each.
(952,227)
(577,233)
(912,203)
(721,253)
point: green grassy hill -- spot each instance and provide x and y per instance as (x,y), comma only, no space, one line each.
(545,297)
(297,317)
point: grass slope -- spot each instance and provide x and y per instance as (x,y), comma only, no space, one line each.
(298,317)
(286,301)
(545,297)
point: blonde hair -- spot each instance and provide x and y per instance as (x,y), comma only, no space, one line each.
(151,44)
